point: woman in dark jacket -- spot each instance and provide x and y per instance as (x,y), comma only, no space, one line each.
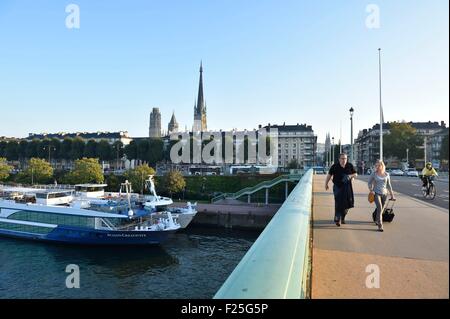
(342,173)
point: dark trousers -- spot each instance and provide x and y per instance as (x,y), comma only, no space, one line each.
(339,214)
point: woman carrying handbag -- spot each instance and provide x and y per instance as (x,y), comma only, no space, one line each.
(379,185)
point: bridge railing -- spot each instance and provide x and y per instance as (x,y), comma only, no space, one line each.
(277,265)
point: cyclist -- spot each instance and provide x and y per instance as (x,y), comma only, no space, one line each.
(428,174)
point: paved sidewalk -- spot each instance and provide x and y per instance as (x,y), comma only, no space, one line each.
(412,254)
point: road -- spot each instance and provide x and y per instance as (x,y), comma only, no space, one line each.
(410,259)
(412,186)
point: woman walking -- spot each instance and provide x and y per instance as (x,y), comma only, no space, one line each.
(379,185)
(343,174)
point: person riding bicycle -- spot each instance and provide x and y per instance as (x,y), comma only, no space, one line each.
(428,174)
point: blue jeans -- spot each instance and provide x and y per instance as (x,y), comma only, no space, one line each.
(380,202)
(339,215)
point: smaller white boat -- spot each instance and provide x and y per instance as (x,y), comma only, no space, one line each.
(160,206)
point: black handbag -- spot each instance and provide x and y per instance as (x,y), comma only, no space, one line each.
(388,213)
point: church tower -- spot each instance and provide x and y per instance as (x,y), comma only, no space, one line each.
(173,125)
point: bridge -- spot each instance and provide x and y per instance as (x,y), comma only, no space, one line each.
(267,185)
(302,254)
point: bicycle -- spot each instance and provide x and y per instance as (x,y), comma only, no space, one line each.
(429,192)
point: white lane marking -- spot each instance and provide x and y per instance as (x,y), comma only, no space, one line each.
(417,185)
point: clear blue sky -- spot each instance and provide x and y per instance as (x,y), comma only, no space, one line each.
(264,61)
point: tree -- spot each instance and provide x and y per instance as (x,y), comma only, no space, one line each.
(403,136)
(138,175)
(66,148)
(174,182)
(90,151)
(5,169)
(155,151)
(38,171)
(87,170)
(77,150)
(444,148)
(131,150)
(104,151)
(3,145)
(12,151)
(293,164)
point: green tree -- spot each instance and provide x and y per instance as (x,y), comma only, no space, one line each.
(86,170)
(33,148)
(104,151)
(5,169)
(90,151)
(12,151)
(403,136)
(444,148)
(155,152)
(138,175)
(174,182)
(66,148)
(38,171)
(293,164)
(77,150)
(131,150)
(3,145)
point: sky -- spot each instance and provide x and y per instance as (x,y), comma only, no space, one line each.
(265,61)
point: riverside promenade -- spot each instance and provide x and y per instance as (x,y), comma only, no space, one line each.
(412,254)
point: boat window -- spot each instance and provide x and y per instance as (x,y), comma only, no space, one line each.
(57,219)
(41,195)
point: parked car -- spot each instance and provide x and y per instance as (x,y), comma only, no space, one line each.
(320,170)
(397,172)
(412,172)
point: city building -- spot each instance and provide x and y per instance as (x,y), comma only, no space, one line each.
(200,124)
(296,143)
(155,123)
(367,144)
(434,145)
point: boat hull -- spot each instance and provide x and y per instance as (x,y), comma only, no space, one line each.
(74,235)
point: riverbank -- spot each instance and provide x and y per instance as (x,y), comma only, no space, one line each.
(234,216)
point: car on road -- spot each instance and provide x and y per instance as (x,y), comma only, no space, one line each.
(412,172)
(397,172)
(320,170)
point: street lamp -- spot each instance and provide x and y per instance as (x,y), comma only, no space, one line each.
(50,149)
(407,157)
(351,135)
(332,150)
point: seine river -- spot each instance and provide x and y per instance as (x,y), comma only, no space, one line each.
(191,265)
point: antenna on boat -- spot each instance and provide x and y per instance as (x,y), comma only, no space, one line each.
(151,186)
(127,186)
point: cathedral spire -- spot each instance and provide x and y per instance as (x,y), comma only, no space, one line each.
(200,107)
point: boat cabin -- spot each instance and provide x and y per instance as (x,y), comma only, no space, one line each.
(90,190)
(54,198)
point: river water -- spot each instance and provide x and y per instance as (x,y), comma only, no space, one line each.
(191,265)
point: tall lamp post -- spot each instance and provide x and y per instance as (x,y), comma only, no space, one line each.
(332,151)
(407,158)
(352,158)
(50,149)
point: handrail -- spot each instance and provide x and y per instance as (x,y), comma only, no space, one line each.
(277,265)
(253,189)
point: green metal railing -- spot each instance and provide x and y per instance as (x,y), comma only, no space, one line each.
(253,189)
(277,265)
